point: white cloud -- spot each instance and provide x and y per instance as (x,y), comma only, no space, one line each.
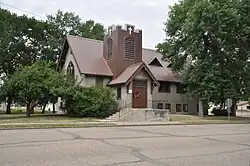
(147,15)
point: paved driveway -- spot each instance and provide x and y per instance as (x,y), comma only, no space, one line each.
(206,145)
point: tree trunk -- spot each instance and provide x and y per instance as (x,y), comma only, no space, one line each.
(9,102)
(28,110)
(200,113)
(44,106)
(54,109)
(233,107)
(32,110)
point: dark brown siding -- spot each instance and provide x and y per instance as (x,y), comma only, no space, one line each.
(118,63)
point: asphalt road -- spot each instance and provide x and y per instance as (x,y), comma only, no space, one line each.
(204,145)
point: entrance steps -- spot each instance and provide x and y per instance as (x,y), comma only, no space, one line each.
(140,115)
(118,115)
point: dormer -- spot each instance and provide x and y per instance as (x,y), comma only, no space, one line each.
(155,62)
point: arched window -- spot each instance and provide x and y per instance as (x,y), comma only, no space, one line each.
(129,48)
(110,49)
(70,69)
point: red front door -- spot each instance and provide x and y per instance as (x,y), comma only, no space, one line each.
(139,94)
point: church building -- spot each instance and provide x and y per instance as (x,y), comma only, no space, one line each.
(138,76)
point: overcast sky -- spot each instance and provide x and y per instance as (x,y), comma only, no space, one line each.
(147,15)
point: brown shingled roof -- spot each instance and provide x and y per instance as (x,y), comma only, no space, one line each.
(89,55)
(129,72)
(164,74)
(148,55)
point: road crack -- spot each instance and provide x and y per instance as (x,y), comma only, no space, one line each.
(136,152)
(74,135)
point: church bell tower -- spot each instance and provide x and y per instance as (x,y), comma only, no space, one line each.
(122,47)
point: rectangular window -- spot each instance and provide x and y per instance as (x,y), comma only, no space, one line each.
(180,88)
(185,108)
(140,83)
(168,107)
(99,81)
(164,87)
(178,108)
(160,106)
(119,93)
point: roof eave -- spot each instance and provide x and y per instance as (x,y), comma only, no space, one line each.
(148,71)
(97,74)
(61,54)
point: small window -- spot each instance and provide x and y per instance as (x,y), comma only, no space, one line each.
(178,108)
(99,81)
(119,93)
(180,88)
(70,70)
(185,108)
(168,107)
(164,87)
(160,106)
(140,83)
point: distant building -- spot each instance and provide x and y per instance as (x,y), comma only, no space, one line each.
(243,105)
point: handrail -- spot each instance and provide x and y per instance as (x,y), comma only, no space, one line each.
(127,105)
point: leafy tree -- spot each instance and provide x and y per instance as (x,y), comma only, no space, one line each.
(33,83)
(23,40)
(12,45)
(208,42)
(68,23)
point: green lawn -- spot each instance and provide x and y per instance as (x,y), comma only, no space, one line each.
(20,121)
(41,118)
(50,120)
(189,119)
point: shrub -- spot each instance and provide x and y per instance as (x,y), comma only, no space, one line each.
(90,102)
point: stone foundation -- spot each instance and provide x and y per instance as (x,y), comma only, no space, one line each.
(144,115)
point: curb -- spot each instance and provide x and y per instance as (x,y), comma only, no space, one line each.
(52,126)
(103,125)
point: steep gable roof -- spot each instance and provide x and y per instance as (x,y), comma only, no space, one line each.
(89,55)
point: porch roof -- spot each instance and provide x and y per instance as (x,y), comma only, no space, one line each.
(132,71)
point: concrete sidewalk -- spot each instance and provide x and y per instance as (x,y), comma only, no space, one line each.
(89,124)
